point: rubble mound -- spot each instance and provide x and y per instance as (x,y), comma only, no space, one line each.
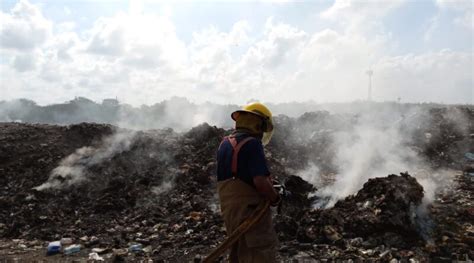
(149,187)
(385,204)
(109,188)
(295,202)
(382,212)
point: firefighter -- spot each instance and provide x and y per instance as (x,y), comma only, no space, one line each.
(244,181)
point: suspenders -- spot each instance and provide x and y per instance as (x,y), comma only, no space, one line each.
(235,153)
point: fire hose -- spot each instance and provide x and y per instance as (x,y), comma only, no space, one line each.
(256,216)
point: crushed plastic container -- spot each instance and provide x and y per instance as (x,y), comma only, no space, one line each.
(54,248)
(72,249)
(135,248)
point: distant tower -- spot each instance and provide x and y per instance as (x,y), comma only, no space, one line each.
(369,92)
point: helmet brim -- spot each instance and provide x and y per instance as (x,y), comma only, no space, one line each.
(236,113)
(235,116)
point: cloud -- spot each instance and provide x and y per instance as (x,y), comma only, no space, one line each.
(360,17)
(280,42)
(108,37)
(141,59)
(24,62)
(349,9)
(143,41)
(465,20)
(435,76)
(24,28)
(456,5)
(464,9)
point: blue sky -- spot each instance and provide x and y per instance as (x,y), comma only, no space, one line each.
(230,51)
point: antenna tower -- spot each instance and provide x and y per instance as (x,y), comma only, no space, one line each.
(369,91)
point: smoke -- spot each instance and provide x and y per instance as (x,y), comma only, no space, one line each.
(390,142)
(361,140)
(433,182)
(312,175)
(214,204)
(366,152)
(177,113)
(15,110)
(164,187)
(73,169)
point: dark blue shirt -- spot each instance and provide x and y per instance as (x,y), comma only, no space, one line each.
(250,161)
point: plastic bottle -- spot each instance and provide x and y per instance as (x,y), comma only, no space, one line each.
(72,249)
(54,248)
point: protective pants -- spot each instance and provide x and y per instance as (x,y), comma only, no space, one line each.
(238,201)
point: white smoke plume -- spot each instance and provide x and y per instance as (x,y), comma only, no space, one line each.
(379,145)
(73,168)
(432,182)
(176,113)
(312,175)
(367,152)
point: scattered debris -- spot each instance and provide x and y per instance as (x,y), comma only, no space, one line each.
(156,197)
(95,256)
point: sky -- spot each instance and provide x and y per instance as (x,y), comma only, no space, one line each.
(146,51)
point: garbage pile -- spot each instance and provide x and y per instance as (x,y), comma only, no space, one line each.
(150,188)
(98,192)
(386,221)
(384,205)
(380,216)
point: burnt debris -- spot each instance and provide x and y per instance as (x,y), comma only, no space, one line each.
(151,194)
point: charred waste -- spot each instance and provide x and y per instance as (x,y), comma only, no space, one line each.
(109,189)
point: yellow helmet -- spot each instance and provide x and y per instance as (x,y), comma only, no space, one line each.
(263,112)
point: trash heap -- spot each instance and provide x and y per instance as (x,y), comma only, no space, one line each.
(387,221)
(108,193)
(151,188)
(380,216)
